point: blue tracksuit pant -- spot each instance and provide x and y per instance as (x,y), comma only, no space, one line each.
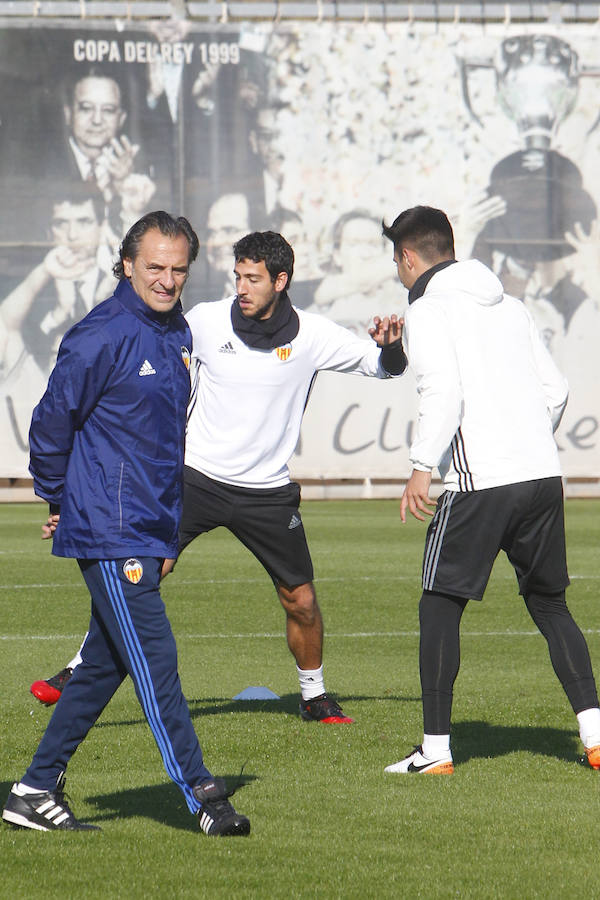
(129,634)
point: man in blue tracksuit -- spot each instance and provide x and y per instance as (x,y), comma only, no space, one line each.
(106,445)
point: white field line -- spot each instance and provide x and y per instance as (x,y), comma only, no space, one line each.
(200,582)
(279,635)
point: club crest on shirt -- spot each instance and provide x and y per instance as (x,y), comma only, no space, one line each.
(186,357)
(283,352)
(133,570)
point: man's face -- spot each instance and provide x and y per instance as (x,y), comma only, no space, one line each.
(257,294)
(160,269)
(227,223)
(305,264)
(96,115)
(360,240)
(75,225)
(265,141)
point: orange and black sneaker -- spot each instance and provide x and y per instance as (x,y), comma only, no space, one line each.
(593,756)
(418,764)
(323,709)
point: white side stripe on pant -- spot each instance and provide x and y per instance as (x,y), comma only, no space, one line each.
(434,543)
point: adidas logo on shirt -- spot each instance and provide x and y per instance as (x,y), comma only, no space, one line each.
(147,368)
(227,348)
(294,522)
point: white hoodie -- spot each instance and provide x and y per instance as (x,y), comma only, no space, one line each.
(490,395)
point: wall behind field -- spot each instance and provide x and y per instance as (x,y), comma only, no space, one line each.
(317,127)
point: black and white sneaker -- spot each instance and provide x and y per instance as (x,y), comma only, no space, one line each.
(217,817)
(43,811)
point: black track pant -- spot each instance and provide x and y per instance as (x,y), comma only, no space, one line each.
(439,654)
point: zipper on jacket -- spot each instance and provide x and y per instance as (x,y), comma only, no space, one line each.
(119,498)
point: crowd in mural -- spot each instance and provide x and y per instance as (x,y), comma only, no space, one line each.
(275,126)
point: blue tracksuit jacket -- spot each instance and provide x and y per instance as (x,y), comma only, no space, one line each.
(106,440)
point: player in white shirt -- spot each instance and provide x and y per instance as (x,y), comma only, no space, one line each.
(254,360)
(490,398)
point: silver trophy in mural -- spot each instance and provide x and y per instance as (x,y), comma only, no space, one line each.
(536,86)
(537,80)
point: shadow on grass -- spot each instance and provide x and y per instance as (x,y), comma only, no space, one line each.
(161,802)
(5,787)
(482,740)
(286,704)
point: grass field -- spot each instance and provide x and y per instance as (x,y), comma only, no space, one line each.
(517,819)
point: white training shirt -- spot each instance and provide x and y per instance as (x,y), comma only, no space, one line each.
(246,406)
(490,394)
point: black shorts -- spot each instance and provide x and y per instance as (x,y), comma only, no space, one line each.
(468,530)
(267,521)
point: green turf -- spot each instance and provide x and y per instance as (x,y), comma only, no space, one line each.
(517,819)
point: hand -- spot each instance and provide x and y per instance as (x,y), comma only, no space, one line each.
(167,567)
(156,81)
(416,496)
(483,208)
(583,265)
(68,264)
(204,82)
(115,162)
(386,330)
(50,527)
(135,192)
(472,218)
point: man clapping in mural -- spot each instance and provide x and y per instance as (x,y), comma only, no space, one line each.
(256,357)
(97,151)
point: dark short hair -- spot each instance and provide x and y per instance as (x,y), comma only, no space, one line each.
(424,229)
(351,216)
(268,247)
(106,73)
(279,216)
(77,192)
(169,225)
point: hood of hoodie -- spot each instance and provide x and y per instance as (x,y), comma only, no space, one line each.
(471,278)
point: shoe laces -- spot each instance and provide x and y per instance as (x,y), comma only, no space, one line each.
(229,792)
(60,795)
(327,703)
(222,802)
(59,680)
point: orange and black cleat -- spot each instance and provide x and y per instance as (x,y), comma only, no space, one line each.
(49,691)
(593,756)
(323,709)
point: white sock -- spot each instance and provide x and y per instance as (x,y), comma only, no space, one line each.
(311,682)
(436,745)
(589,727)
(77,658)
(22,789)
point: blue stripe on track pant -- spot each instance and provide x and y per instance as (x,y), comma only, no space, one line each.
(129,634)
